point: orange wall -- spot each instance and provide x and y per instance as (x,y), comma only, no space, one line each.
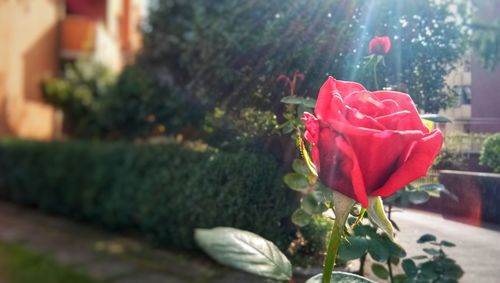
(28,53)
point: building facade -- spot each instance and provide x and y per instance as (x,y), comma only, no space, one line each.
(37,37)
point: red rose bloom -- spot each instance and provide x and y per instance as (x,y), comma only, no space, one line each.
(368,143)
(379,45)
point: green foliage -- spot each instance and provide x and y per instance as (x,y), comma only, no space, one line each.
(309,247)
(434,266)
(450,160)
(490,153)
(486,43)
(19,265)
(137,107)
(164,190)
(83,83)
(229,54)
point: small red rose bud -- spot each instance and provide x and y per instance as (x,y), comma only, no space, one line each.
(379,45)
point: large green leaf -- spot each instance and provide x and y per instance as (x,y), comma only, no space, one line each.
(377,215)
(340,277)
(244,250)
(353,248)
(296,181)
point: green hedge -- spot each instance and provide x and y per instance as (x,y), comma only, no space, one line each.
(490,153)
(162,190)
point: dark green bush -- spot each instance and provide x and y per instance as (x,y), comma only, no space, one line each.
(162,190)
(490,153)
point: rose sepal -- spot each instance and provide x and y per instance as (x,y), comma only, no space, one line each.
(377,216)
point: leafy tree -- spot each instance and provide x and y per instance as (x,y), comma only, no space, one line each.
(228,54)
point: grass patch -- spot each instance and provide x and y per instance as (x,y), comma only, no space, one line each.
(18,265)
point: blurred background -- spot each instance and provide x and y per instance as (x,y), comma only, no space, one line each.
(125,124)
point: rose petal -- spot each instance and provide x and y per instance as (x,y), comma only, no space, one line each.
(329,105)
(312,128)
(345,88)
(378,154)
(413,165)
(393,120)
(356,118)
(358,185)
(410,122)
(334,163)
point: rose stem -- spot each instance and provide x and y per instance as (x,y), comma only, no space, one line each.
(333,248)
(361,270)
(391,276)
(375,76)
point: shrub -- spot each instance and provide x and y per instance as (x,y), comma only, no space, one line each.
(162,190)
(490,153)
(136,107)
(83,83)
(450,160)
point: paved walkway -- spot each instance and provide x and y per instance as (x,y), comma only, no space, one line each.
(477,250)
(106,256)
(119,259)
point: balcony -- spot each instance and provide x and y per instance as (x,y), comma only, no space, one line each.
(78,36)
(81,36)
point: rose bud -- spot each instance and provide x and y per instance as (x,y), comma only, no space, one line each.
(379,45)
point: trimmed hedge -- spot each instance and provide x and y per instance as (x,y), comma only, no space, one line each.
(490,153)
(163,191)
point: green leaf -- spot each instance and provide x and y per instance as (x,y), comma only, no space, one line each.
(427,270)
(353,248)
(244,250)
(426,238)
(395,249)
(418,197)
(435,187)
(300,166)
(301,218)
(309,102)
(291,100)
(305,101)
(377,215)
(432,251)
(450,268)
(400,278)
(378,250)
(409,267)
(340,277)
(311,204)
(326,191)
(296,182)
(417,257)
(380,271)
(447,243)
